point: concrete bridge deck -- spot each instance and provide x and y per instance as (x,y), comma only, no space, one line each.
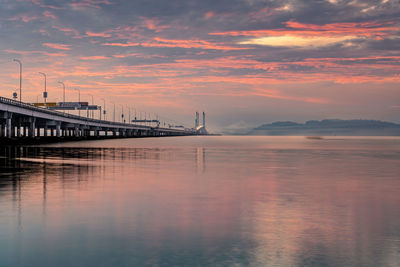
(18,119)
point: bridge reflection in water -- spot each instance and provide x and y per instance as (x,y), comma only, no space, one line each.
(217,201)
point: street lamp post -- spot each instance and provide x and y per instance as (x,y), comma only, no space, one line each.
(104,109)
(63,90)
(122,114)
(20,78)
(63,93)
(79,100)
(92,105)
(45,89)
(113,111)
(129,108)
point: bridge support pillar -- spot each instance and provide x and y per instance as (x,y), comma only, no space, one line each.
(9,126)
(2,130)
(32,127)
(45,131)
(38,131)
(19,128)
(58,129)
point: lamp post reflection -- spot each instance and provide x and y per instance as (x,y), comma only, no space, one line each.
(200,159)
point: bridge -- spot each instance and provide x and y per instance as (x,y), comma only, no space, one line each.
(24,120)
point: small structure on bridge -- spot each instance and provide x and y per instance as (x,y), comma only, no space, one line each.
(68,106)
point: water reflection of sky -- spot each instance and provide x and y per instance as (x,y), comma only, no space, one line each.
(307,204)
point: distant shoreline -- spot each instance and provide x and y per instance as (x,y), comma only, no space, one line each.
(334,127)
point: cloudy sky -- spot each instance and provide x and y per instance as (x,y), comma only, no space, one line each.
(245,62)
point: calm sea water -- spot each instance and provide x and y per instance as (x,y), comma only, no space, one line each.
(202,201)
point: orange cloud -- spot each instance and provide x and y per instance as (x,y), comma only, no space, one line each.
(367,29)
(94,58)
(160,42)
(12,51)
(153,24)
(122,44)
(58,46)
(209,15)
(68,31)
(97,34)
(340,70)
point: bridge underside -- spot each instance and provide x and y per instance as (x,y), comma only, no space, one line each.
(14,125)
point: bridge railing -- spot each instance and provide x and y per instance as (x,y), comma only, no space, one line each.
(71,116)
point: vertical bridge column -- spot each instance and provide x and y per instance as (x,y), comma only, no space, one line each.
(76,132)
(32,127)
(58,129)
(1,129)
(19,128)
(8,125)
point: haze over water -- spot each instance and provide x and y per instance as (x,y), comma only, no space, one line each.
(202,201)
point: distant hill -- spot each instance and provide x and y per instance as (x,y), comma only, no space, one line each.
(329,128)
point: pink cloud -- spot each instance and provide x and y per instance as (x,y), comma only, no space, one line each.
(209,15)
(122,44)
(68,31)
(24,18)
(154,24)
(94,58)
(160,42)
(368,29)
(58,46)
(90,4)
(97,34)
(27,53)
(49,14)
(41,4)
